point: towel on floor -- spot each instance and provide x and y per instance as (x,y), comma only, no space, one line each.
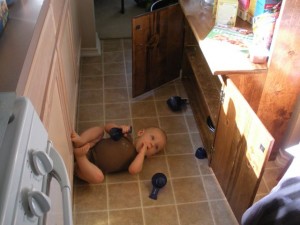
(280,207)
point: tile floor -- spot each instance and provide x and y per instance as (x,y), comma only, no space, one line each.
(192,194)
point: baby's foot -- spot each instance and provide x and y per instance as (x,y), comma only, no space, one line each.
(75,138)
(82,151)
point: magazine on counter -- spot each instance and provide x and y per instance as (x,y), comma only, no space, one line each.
(233,38)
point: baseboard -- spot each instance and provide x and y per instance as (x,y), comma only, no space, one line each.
(86,52)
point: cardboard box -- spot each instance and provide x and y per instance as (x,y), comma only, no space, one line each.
(3,15)
(264,5)
(226,12)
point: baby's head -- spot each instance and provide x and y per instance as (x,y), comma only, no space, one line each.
(153,137)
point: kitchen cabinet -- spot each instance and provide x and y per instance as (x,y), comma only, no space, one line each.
(39,70)
(45,66)
(55,99)
(241,148)
(157,39)
(237,143)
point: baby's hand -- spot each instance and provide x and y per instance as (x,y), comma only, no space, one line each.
(126,129)
(143,149)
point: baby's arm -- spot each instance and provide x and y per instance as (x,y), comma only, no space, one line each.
(125,128)
(137,164)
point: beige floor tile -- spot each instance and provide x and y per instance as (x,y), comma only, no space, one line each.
(123,195)
(179,144)
(91,60)
(90,112)
(192,125)
(90,97)
(94,69)
(143,109)
(205,169)
(152,165)
(126,217)
(222,213)
(189,190)
(128,55)
(115,95)
(145,97)
(195,214)
(91,82)
(90,198)
(183,165)
(114,68)
(164,110)
(180,89)
(117,111)
(83,125)
(212,188)
(196,140)
(127,43)
(115,81)
(128,67)
(113,57)
(92,218)
(173,124)
(165,92)
(112,45)
(129,85)
(164,197)
(165,215)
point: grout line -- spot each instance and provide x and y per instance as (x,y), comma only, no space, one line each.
(104,121)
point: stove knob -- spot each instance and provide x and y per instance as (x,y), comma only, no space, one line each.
(39,203)
(42,163)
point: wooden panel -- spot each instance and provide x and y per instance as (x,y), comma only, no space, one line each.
(282,86)
(59,8)
(209,85)
(242,147)
(55,119)
(40,68)
(250,86)
(68,69)
(157,40)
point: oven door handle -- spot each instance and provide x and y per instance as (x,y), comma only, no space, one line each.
(59,172)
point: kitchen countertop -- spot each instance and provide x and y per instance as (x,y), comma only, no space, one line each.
(219,60)
(18,42)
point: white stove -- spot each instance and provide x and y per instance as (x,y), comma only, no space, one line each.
(28,162)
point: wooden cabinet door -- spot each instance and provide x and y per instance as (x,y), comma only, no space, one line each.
(157,44)
(241,149)
(40,69)
(67,60)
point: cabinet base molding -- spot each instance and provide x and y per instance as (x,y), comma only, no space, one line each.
(92,51)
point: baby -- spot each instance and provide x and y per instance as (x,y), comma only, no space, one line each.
(96,155)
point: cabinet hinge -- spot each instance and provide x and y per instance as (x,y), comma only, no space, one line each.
(222,96)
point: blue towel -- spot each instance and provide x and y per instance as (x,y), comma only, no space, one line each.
(280,207)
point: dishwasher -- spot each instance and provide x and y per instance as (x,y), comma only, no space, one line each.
(31,170)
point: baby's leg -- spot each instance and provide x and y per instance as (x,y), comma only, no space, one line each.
(91,136)
(84,168)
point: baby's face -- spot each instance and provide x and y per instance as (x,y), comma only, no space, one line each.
(153,139)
